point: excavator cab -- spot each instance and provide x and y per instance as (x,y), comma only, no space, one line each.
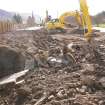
(54,26)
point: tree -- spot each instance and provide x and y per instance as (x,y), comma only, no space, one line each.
(99,18)
(17,18)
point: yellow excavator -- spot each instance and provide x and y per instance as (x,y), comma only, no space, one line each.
(82,18)
(61,23)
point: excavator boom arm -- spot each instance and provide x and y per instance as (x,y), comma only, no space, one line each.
(86,19)
(71,13)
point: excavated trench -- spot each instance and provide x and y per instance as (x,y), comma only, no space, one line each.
(19,49)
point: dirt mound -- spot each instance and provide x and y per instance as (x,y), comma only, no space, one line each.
(79,84)
(82,84)
(29,42)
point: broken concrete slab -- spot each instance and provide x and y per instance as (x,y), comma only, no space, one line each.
(13,77)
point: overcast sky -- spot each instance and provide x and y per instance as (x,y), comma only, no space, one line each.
(55,7)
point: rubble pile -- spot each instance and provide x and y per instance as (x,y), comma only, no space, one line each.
(81,83)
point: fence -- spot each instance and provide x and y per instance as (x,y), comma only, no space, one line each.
(6,26)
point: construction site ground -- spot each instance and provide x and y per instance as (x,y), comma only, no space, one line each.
(81,83)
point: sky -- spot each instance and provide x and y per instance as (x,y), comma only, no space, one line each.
(55,7)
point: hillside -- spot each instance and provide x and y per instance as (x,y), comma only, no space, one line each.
(5,14)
